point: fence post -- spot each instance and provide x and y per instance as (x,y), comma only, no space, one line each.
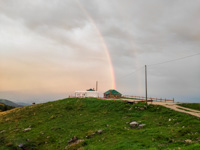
(173,100)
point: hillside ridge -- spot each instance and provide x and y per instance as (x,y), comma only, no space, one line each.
(9,103)
(75,123)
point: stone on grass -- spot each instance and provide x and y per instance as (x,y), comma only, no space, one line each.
(141,108)
(72,140)
(27,129)
(188,141)
(2,131)
(100,131)
(21,145)
(75,145)
(134,124)
(141,126)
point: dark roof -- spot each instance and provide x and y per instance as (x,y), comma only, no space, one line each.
(113,92)
(90,90)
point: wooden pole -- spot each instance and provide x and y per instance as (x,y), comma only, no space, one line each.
(96,85)
(146,81)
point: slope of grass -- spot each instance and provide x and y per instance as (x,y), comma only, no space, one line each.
(195,106)
(4,107)
(53,124)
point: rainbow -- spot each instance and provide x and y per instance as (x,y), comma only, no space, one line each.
(103,43)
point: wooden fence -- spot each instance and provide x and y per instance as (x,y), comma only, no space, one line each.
(150,98)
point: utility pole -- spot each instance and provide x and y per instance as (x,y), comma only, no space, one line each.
(96,85)
(146,81)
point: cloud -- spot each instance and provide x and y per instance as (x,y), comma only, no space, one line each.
(54,46)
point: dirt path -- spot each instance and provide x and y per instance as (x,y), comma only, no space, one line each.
(178,108)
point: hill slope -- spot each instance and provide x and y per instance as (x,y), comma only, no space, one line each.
(4,107)
(52,125)
(9,103)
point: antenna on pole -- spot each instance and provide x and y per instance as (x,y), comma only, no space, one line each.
(146,81)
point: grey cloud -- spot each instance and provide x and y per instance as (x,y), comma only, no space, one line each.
(136,32)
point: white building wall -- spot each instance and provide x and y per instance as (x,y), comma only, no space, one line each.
(85,94)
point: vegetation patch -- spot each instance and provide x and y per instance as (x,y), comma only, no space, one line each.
(86,124)
(195,106)
(183,109)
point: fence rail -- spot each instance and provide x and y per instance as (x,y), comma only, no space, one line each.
(150,98)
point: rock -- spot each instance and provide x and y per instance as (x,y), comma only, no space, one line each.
(75,144)
(100,131)
(134,124)
(188,141)
(21,145)
(72,140)
(27,129)
(107,125)
(92,134)
(124,117)
(2,131)
(141,108)
(141,126)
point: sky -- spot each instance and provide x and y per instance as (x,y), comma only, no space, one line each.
(49,49)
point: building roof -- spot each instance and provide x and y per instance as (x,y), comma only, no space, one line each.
(91,89)
(113,92)
(86,91)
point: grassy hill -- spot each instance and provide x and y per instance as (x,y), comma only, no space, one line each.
(51,125)
(9,103)
(4,107)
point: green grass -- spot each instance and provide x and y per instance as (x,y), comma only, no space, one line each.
(195,106)
(183,109)
(54,123)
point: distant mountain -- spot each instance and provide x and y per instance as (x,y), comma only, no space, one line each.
(23,104)
(9,103)
(4,107)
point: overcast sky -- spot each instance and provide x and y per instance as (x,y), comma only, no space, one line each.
(50,48)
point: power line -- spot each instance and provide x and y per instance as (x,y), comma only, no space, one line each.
(130,73)
(174,59)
